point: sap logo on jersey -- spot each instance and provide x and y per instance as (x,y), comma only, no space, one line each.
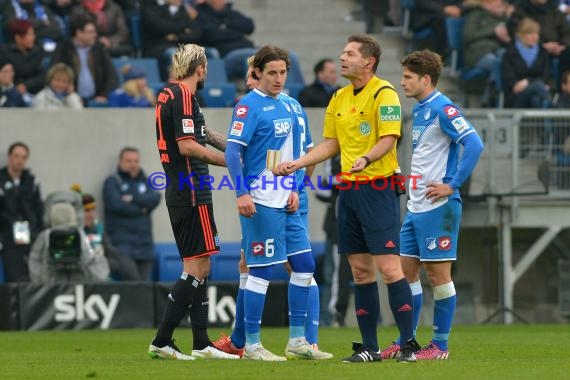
(187,125)
(282,127)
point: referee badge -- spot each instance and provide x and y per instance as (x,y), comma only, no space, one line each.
(364,128)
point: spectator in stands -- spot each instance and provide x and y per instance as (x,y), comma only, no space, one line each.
(112,30)
(21,213)
(374,12)
(61,8)
(134,92)
(94,71)
(485,33)
(25,56)
(59,92)
(44,21)
(9,95)
(431,14)
(223,27)
(128,204)
(229,32)
(525,69)
(99,239)
(554,30)
(62,253)
(562,99)
(320,92)
(165,25)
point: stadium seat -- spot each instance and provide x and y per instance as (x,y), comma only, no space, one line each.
(2,37)
(407,7)
(225,264)
(167,264)
(219,95)
(216,71)
(149,65)
(136,32)
(454,27)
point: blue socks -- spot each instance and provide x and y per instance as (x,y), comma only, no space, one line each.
(254,300)
(238,335)
(444,309)
(367,306)
(298,300)
(417,302)
(313,314)
(400,299)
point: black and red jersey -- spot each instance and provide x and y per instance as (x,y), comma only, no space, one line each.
(178,116)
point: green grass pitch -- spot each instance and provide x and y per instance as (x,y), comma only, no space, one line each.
(476,352)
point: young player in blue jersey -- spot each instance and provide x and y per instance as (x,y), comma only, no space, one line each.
(234,344)
(262,133)
(429,235)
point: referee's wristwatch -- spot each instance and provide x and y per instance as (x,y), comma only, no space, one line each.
(367,159)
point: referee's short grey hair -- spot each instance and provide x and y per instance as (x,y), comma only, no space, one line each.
(186,60)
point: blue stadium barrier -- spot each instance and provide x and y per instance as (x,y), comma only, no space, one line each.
(168,266)
(167,263)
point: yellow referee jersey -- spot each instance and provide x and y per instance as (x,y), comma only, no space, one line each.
(358,121)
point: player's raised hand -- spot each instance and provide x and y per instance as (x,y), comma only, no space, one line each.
(284,168)
(437,191)
(245,206)
(293,202)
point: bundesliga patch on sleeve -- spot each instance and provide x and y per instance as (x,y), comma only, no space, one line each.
(187,125)
(237,128)
(389,113)
(460,124)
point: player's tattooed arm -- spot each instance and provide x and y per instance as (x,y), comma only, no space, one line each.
(215,139)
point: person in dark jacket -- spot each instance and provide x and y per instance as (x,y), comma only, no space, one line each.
(95,74)
(431,14)
(99,241)
(524,68)
(9,95)
(41,17)
(21,213)
(165,25)
(128,204)
(25,56)
(223,27)
(321,90)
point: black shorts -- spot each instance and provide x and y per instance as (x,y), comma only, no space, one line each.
(369,219)
(194,230)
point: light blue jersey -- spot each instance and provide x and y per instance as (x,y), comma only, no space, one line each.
(302,137)
(438,128)
(264,125)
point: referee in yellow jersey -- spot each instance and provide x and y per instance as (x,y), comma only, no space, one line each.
(363,122)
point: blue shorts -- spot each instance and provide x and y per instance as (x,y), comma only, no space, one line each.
(368,219)
(271,235)
(432,235)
